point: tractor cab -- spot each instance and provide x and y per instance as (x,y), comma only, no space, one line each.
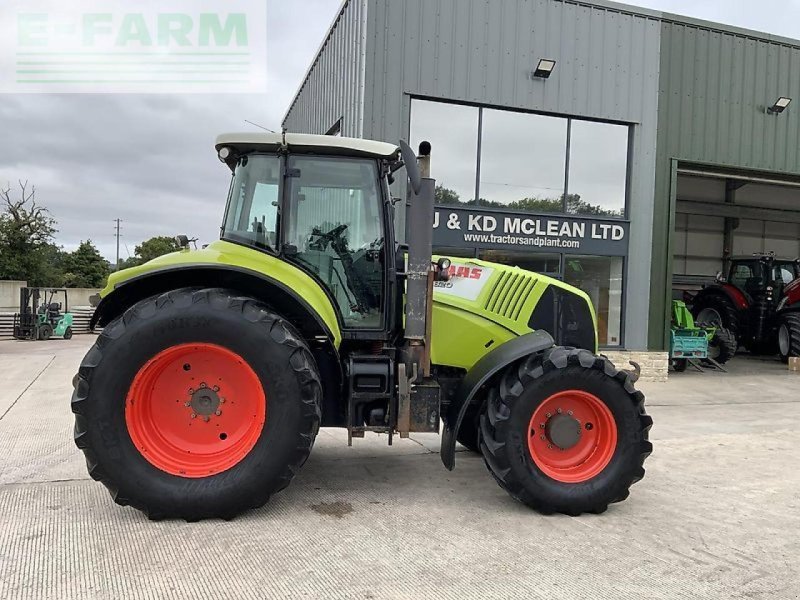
(43,313)
(760,274)
(325,208)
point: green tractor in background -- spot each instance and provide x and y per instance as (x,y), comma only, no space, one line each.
(691,342)
(216,368)
(40,316)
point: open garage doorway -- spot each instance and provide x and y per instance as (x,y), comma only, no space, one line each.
(737,235)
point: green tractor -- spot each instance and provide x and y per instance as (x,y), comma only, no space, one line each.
(216,368)
(691,342)
(40,316)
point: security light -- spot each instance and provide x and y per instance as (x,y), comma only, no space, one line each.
(545,68)
(781,105)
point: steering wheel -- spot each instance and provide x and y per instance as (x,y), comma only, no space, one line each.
(326,238)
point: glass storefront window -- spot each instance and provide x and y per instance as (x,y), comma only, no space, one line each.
(523,161)
(452,131)
(598,167)
(546,264)
(601,278)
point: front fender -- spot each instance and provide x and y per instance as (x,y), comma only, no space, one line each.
(478,378)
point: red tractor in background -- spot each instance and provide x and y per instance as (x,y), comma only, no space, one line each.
(758,301)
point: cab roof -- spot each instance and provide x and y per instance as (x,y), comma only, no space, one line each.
(307,143)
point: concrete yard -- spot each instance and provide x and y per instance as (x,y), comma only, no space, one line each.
(717,516)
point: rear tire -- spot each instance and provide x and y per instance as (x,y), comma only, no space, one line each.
(724,345)
(535,473)
(68,333)
(715,303)
(263,457)
(789,336)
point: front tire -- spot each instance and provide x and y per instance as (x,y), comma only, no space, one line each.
(722,348)
(789,336)
(544,401)
(196,404)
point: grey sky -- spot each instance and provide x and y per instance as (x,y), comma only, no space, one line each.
(149,160)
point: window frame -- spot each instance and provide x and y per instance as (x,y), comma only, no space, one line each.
(569,119)
(630,157)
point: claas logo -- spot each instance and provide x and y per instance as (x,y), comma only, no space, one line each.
(465,272)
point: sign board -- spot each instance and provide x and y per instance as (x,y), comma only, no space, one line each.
(504,230)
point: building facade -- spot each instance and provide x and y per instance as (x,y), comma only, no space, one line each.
(604,171)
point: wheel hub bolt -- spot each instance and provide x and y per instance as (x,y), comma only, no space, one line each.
(218,413)
(206,418)
(569,413)
(191,391)
(203,385)
(215,388)
(187,404)
(558,411)
(194,416)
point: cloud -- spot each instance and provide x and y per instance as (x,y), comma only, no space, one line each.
(149,159)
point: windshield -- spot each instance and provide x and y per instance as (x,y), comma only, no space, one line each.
(336,226)
(252,213)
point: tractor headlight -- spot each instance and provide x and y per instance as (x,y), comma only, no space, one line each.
(224,153)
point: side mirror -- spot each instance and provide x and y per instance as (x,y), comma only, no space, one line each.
(410,161)
(720,277)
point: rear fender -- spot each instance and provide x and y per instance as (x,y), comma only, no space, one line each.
(272,292)
(735,295)
(479,377)
(792,293)
(727,292)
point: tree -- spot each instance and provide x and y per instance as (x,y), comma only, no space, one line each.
(26,234)
(445,195)
(155,247)
(85,267)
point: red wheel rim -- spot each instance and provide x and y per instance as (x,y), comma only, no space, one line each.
(596,440)
(195,410)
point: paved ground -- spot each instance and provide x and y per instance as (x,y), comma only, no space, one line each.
(717,516)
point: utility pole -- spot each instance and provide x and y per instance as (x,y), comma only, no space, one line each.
(117,221)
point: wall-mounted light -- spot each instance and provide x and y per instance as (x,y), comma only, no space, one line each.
(545,68)
(781,105)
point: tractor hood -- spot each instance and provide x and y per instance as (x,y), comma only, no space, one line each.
(485,304)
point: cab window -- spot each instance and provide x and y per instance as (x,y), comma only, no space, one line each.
(252,214)
(335,230)
(745,275)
